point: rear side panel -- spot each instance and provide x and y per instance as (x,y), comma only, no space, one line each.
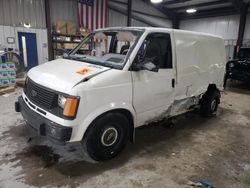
(200,61)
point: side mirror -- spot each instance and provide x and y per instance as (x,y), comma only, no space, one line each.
(145,65)
(65,55)
(150,66)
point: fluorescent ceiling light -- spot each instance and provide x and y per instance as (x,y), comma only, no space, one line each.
(191,10)
(156,1)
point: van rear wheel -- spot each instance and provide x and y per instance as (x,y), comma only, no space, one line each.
(107,136)
(209,103)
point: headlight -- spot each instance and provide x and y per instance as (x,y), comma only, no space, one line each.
(69,105)
(61,101)
(231,65)
(70,108)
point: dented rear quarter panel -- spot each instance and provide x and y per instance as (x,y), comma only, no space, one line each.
(200,60)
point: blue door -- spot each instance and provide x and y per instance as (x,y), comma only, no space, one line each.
(28,49)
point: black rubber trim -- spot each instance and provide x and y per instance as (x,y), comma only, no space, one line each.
(238,75)
(56,110)
(42,125)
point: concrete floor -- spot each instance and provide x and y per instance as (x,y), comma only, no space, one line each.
(215,149)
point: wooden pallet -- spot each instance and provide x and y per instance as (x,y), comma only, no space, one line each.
(8,89)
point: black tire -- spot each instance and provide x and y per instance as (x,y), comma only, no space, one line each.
(209,103)
(101,140)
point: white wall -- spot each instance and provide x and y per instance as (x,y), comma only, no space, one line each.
(224,26)
(41,37)
(18,12)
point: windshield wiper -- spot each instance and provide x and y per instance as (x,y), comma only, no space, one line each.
(84,58)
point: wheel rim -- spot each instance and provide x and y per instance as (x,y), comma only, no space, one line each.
(109,136)
(213,105)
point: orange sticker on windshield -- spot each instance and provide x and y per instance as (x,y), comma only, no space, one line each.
(84,71)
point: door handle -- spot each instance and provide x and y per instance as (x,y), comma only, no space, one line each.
(173,82)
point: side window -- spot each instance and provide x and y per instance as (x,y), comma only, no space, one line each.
(157,48)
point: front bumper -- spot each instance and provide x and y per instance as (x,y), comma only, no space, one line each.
(43,126)
(238,75)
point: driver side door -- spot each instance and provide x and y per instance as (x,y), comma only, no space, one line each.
(153,92)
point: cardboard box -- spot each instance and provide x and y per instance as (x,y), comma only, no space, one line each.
(70,46)
(71,28)
(84,33)
(58,45)
(61,27)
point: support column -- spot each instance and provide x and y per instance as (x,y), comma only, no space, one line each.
(49,30)
(176,22)
(129,13)
(243,15)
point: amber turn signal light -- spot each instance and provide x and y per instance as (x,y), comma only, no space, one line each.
(70,108)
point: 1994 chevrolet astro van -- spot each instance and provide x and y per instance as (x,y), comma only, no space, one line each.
(118,79)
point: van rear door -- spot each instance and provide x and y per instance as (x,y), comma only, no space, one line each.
(153,92)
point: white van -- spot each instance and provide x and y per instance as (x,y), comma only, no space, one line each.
(118,79)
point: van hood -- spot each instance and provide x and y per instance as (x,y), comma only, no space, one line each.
(62,74)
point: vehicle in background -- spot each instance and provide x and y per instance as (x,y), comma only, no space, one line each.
(118,79)
(239,68)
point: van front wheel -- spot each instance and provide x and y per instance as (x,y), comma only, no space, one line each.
(209,103)
(107,136)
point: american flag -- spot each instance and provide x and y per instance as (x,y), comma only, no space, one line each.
(92,14)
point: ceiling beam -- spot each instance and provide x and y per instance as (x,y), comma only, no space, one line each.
(209,13)
(238,4)
(119,2)
(174,2)
(172,15)
(200,5)
(168,12)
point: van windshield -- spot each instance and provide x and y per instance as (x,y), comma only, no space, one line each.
(109,48)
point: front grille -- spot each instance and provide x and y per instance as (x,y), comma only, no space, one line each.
(40,95)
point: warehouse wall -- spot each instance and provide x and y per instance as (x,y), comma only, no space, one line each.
(247,28)
(151,17)
(117,19)
(14,13)
(41,37)
(18,12)
(141,8)
(225,26)
(63,10)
